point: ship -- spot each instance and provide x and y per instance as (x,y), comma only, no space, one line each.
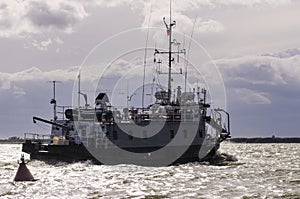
(174,129)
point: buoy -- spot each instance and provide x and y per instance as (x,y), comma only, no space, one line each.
(23,173)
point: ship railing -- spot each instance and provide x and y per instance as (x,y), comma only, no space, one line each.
(37,137)
(216,120)
(186,114)
(61,111)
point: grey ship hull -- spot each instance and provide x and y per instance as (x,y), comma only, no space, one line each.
(76,153)
(108,144)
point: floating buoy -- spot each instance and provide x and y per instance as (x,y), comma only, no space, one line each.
(23,173)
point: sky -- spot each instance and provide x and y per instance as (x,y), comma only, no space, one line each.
(254,46)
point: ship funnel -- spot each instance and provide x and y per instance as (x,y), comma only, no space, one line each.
(23,173)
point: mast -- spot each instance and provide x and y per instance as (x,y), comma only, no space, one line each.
(54,104)
(79,94)
(169,53)
(169,32)
(53,101)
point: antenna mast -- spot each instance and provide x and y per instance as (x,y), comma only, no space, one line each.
(169,52)
(145,61)
(53,101)
(79,91)
(169,32)
(188,54)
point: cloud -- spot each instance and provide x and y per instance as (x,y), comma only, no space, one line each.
(263,78)
(42,45)
(34,74)
(27,93)
(21,18)
(39,22)
(184,11)
(284,54)
(263,92)
(191,4)
(18,92)
(251,97)
(4,84)
(279,68)
(210,26)
(181,12)
(61,15)
(248,3)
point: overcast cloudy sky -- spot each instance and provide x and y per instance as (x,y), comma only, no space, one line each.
(255,44)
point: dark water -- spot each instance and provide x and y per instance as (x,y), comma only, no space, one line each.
(262,171)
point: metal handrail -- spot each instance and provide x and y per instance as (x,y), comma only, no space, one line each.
(37,137)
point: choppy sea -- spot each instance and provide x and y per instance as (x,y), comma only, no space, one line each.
(262,171)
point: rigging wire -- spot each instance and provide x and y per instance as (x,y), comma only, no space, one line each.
(159,85)
(183,45)
(145,57)
(153,75)
(188,54)
(44,127)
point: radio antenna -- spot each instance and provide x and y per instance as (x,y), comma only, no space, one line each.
(188,53)
(145,59)
(53,100)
